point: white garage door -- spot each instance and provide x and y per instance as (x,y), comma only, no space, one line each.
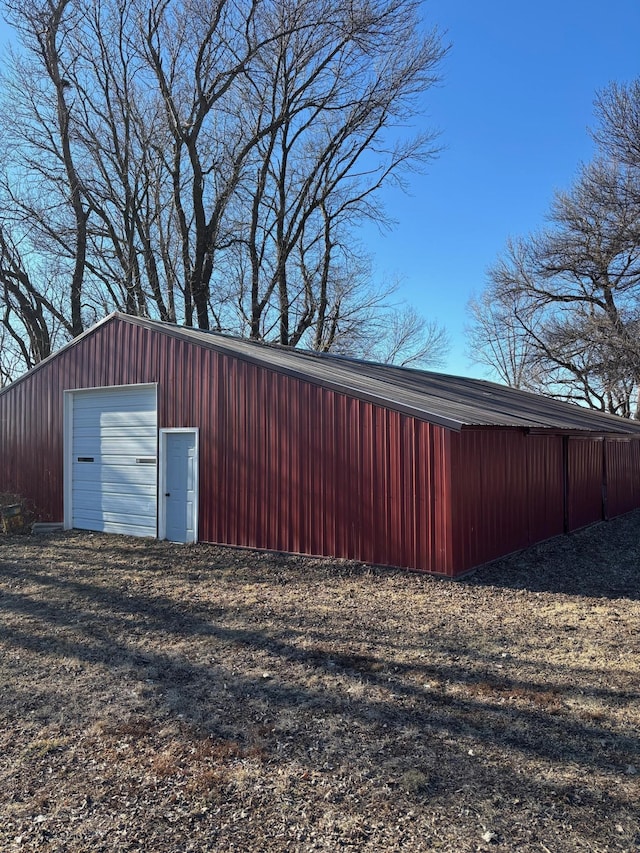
(114,460)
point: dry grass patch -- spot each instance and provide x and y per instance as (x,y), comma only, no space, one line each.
(165,698)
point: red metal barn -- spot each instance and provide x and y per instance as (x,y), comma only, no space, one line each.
(145,428)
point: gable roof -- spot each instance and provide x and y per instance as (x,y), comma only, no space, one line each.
(455,402)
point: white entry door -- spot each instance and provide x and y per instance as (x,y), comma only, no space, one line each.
(178,520)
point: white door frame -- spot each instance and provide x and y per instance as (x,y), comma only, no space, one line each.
(162,478)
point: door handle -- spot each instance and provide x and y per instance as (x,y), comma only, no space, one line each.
(167,494)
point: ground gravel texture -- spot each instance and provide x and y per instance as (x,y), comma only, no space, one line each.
(166,698)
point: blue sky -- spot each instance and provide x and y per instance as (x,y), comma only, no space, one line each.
(514,109)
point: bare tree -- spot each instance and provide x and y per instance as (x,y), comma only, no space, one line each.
(399,335)
(618,114)
(412,341)
(566,302)
(499,338)
(10,358)
(51,157)
(205,163)
(328,144)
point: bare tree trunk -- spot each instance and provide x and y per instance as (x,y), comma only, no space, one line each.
(48,42)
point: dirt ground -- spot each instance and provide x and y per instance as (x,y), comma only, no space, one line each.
(157,697)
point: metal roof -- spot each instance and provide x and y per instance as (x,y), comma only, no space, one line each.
(451,401)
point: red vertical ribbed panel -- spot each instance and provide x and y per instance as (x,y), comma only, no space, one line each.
(545,486)
(294,467)
(623,485)
(585,482)
(508,493)
(440,498)
(490,475)
(31,444)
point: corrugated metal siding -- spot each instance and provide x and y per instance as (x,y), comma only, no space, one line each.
(509,488)
(545,492)
(584,482)
(622,465)
(284,464)
(508,493)
(31,444)
(294,467)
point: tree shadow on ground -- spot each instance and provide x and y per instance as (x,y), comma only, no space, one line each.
(226,651)
(99,625)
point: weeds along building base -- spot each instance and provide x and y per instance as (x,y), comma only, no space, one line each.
(149,429)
